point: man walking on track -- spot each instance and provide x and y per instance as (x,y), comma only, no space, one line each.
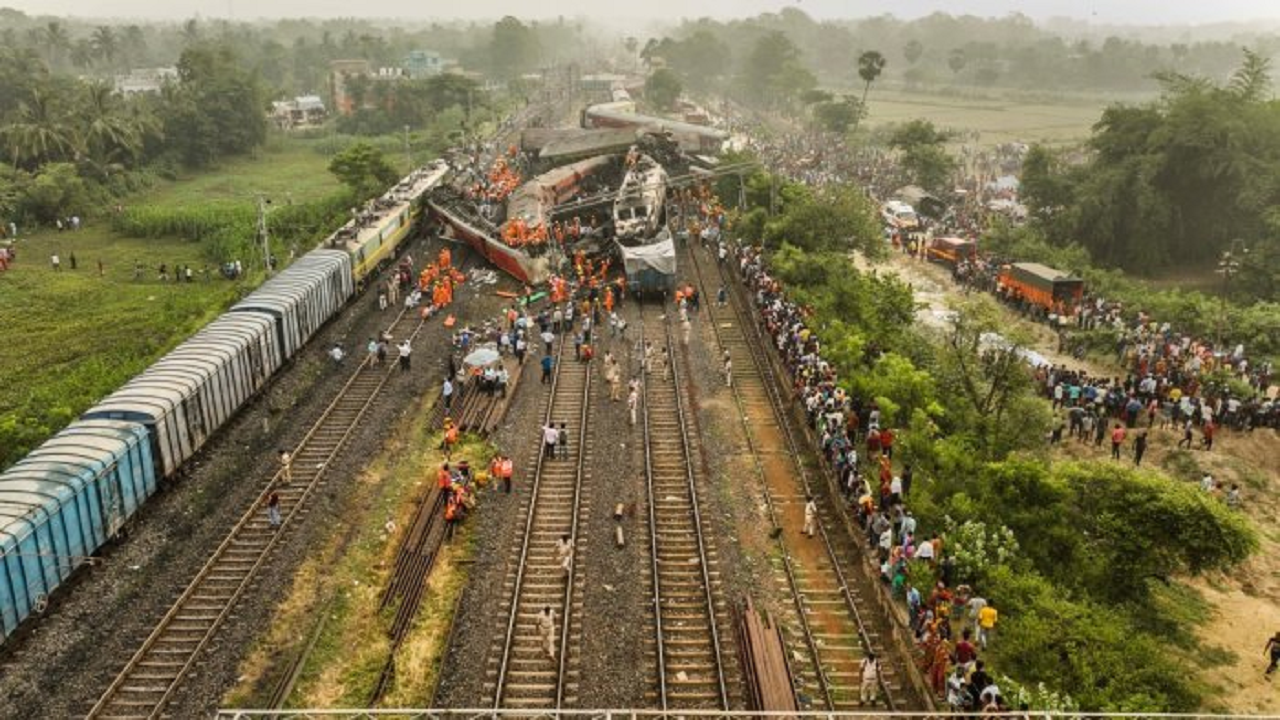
(633,402)
(547,630)
(728,370)
(548,362)
(550,437)
(810,516)
(273,510)
(405,349)
(870,679)
(286,466)
(564,553)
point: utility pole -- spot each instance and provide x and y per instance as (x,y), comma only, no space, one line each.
(262,233)
(408,152)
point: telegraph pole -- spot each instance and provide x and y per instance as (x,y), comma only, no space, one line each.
(408,152)
(262,233)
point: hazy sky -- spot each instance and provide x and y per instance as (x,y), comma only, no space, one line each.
(1143,12)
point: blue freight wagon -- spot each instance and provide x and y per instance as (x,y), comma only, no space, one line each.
(63,502)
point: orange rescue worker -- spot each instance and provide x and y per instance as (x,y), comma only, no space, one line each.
(450,517)
(450,439)
(506,470)
(443,479)
(608,300)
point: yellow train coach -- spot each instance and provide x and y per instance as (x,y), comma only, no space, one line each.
(374,235)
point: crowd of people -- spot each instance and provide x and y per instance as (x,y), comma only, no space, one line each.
(952,625)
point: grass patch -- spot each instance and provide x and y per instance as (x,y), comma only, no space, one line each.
(1247,475)
(75,336)
(1182,465)
(998,120)
(289,168)
(346,581)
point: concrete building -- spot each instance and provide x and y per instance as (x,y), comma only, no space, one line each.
(341,73)
(302,111)
(145,80)
(424,63)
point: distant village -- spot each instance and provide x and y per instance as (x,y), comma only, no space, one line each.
(313,109)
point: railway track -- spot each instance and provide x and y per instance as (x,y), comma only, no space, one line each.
(148,681)
(408,584)
(522,673)
(828,637)
(688,658)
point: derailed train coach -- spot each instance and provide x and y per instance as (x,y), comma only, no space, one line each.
(70,496)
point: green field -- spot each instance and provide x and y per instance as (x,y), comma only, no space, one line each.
(74,336)
(287,168)
(998,120)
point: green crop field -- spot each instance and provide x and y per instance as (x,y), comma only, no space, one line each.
(288,168)
(73,336)
(998,120)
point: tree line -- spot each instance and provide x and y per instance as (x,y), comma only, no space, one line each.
(941,50)
(292,56)
(1177,181)
(70,144)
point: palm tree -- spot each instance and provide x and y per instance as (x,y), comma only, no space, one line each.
(82,54)
(109,133)
(57,40)
(135,46)
(39,133)
(105,45)
(870,65)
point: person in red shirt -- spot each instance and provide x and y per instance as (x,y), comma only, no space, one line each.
(443,479)
(1209,429)
(886,442)
(873,442)
(1117,440)
(965,653)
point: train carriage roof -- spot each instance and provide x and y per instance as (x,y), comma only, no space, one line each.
(140,399)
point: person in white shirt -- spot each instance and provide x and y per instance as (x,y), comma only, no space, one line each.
(564,552)
(550,436)
(870,679)
(405,350)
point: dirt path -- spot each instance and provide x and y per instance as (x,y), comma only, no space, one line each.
(1244,605)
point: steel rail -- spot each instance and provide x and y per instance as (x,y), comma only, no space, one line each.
(788,566)
(765,368)
(329,449)
(527,536)
(696,523)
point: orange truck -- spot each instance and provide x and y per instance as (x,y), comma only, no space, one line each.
(1041,285)
(951,251)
